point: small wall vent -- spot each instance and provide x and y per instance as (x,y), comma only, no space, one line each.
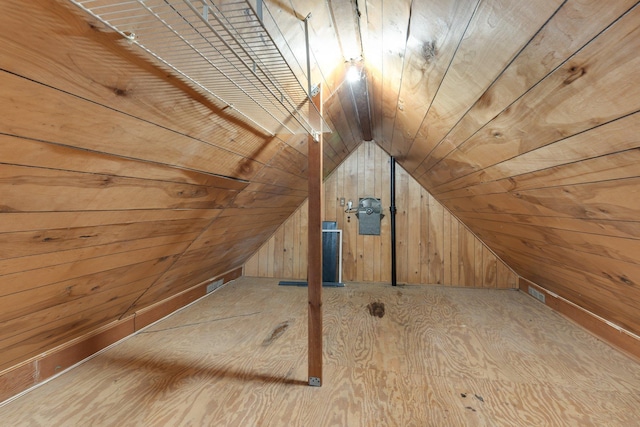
(536,294)
(214,285)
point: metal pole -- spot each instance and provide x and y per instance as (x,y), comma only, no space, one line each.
(306,39)
(259,10)
(392,211)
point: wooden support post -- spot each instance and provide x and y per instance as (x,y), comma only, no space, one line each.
(314,274)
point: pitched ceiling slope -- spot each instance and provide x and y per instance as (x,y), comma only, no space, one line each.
(523,120)
(120,185)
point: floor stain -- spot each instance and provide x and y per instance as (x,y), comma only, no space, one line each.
(276,333)
(376,309)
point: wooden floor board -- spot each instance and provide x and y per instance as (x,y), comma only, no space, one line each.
(438,356)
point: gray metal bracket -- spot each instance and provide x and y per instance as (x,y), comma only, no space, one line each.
(315,382)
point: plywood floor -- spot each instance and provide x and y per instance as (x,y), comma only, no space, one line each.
(437,357)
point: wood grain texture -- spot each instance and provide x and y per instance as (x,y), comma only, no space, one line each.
(433,246)
(438,356)
(620,338)
(116,178)
(533,145)
(314,254)
(434,35)
(561,103)
(44,365)
(17,379)
(572,26)
(121,186)
(493,37)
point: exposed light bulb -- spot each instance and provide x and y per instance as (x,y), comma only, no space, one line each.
(353,75)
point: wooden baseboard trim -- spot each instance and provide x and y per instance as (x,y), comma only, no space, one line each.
(17,379)
(155,312)
(28,374)
(34,371)
(623,340)
(146,316)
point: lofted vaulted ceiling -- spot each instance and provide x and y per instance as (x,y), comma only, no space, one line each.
(520,118)
(122,185)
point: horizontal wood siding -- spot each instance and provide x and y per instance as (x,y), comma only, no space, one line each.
(120,185)
(434,247)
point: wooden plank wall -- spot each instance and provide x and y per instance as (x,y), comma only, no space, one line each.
(523,120)
(120,186)
(433,246)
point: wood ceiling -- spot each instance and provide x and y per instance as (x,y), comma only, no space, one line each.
(121,186)
(522,119)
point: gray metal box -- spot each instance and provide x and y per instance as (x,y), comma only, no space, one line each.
(369,214)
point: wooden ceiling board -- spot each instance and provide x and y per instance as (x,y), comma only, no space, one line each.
(604,144)
(395,24)
(371,37)
(75,191)
(273,189)
(113,166)
(585,288)
(608,200)
(344,16)
(36,321)
(48,220)
(335,146)
(566,32)
(614,247)
(22,303)
(597,227)
(26,152)
(42,276)
(616,166)
(290,160)
(435,33)
(498,30)
(105,69)
(31,243)
(275,176)
(52,259)
(266,200)
(58,117)
(334,110)
(47,336)
(221,250)
(594,87)
(347,102)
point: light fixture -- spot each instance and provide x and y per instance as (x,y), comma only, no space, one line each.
(353,74)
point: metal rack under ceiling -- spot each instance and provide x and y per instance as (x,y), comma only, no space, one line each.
(222,50)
